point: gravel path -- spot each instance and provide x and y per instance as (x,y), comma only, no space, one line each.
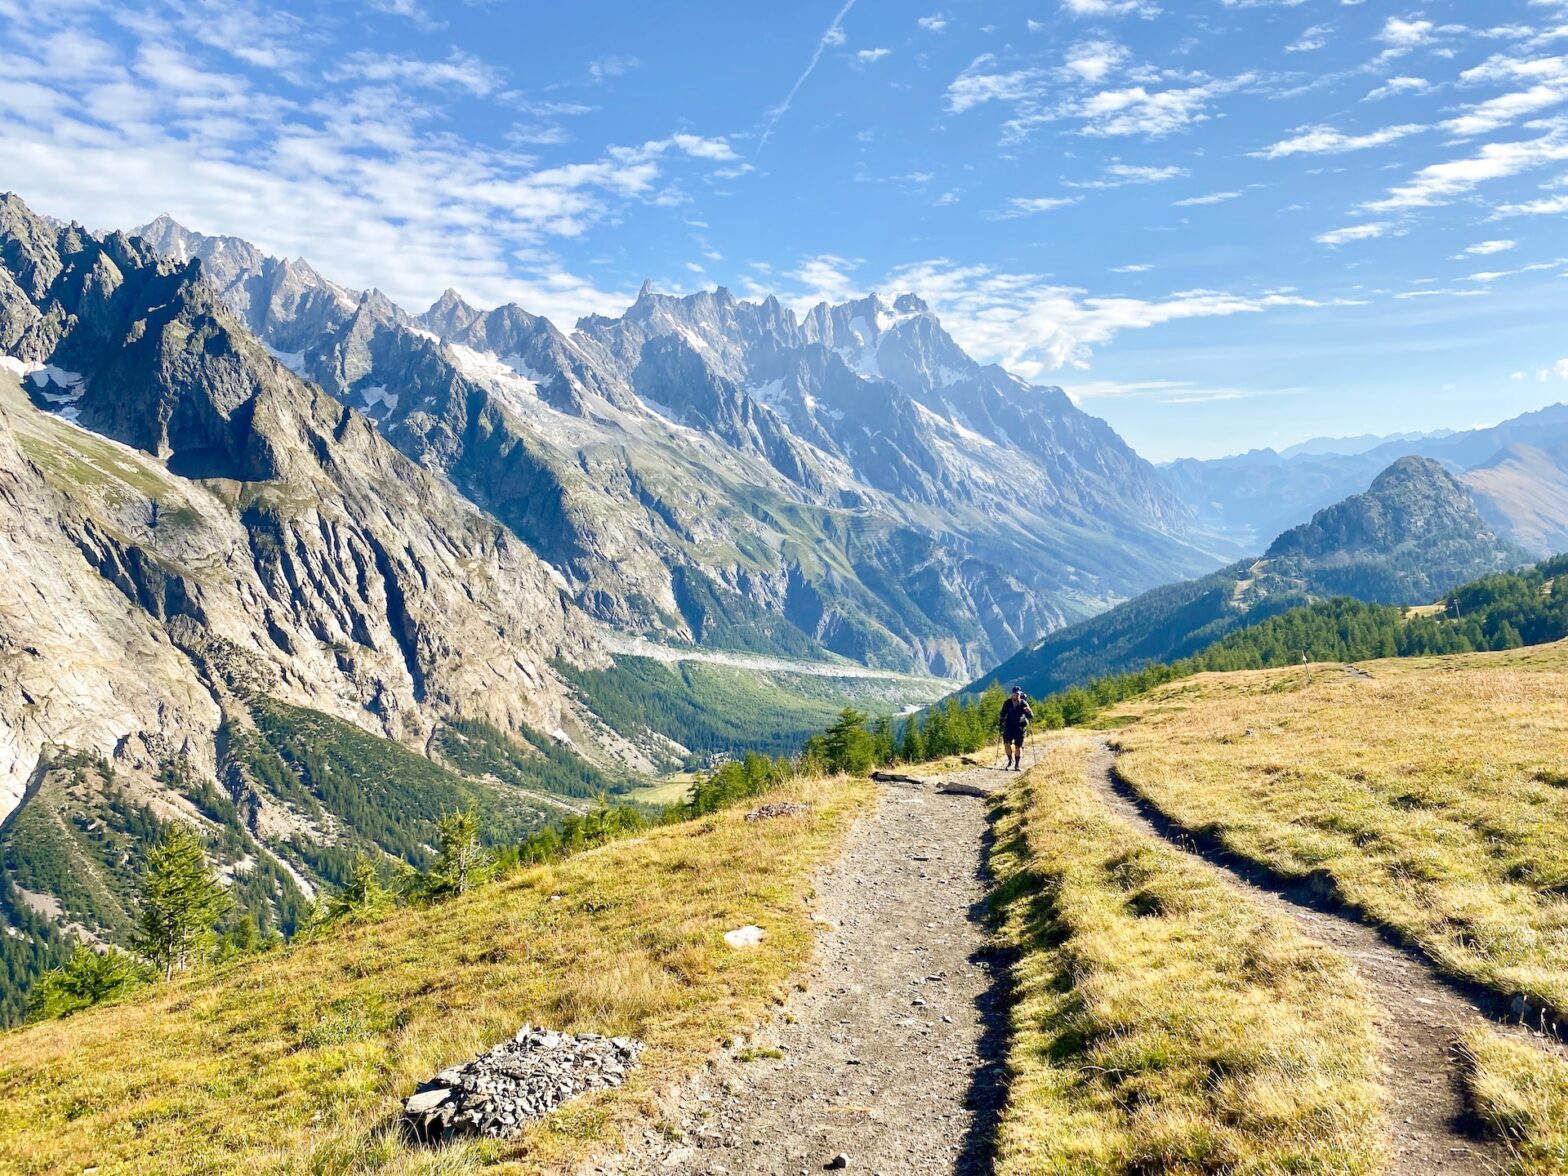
(1419,1014)
(891,1055)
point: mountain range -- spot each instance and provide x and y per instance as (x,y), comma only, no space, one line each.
(1411,536)
(307,569)
(729,473)
(1516,471)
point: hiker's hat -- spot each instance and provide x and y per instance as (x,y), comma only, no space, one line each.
(1018,689)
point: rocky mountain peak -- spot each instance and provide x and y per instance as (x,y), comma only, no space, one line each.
(1413,502)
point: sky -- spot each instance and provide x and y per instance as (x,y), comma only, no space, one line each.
(1219,224)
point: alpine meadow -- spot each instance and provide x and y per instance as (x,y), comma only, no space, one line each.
(738,591)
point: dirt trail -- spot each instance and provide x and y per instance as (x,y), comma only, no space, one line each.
(891,1055)
(1419,1015)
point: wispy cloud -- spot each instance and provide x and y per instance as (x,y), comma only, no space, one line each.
(1209,198)
(1441,182)
(1031,205)
(1362,232)
(1328,141)
(1120,175)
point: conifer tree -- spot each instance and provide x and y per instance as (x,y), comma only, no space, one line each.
(181,901)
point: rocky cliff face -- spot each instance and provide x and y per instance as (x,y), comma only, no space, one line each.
(192,523)
(720,471)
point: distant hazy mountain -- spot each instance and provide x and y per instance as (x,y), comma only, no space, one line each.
(1522,492)
(1350,446)
(1244,499)
(1411,536)
(726,472)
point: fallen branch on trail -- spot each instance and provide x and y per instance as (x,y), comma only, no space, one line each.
(895,778)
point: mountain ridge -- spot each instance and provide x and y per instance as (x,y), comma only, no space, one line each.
(1412,535)
(702,464)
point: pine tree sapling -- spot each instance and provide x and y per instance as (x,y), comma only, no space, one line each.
(87,978)
(363,897)
(180,900)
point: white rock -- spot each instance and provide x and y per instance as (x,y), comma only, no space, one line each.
(748,936)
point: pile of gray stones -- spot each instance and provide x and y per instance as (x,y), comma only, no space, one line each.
(500,1092)
(781,808)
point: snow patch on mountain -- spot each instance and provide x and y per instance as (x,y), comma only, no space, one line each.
(293,360)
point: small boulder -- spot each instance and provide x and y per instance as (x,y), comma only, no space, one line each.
(748,936)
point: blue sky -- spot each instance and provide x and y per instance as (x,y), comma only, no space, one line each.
(1218,223)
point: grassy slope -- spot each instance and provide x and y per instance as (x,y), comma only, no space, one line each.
(1434,794)
(1162,1023)
(296,1061)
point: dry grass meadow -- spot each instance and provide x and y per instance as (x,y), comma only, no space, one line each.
(296,1062)
(1431,793)
(1164,1022)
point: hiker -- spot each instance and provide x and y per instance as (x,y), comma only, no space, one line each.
(1016,714)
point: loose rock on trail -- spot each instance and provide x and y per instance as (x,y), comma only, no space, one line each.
(890,1060)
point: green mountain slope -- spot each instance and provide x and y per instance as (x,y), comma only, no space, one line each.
(1414,534)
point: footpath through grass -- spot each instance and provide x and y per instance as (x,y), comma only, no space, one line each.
(1434,794)
(297,1061)
(1164,1023)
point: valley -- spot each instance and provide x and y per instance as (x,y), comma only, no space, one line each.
(327,581)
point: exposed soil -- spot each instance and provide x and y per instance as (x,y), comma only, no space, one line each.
(891,1055)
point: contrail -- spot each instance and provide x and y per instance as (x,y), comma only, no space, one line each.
(828,38)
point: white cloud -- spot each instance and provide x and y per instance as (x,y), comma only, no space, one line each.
(459,71)
(1210,198)
(1489,276)
(1401,36)
(1141,268)
(701,148)
(934,23)
(1030,205)
(1546,206)
(1399,85)
(368,177)
(1033,325)
(1498,112)
(1361,232)
(1120,175)
(1328,141)
(1103,8)
(1313,39)
(1485,249)
(1136,110)
(1094,61)
(976,85)
(869,55)
(1440,182)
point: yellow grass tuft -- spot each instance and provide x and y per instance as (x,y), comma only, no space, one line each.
(297,1061)
(1164,1022)
(1521,1091)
